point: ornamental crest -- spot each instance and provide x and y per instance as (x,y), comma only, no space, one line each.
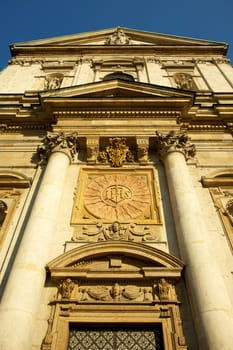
(117,152)
(118,38)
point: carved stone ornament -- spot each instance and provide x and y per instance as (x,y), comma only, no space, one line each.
(3,212)
(51,83)
(229,210)
(57,142)
(115,232)
(92,150)
(118,38)
(184,81)
(175,142)
(159,291)
(117,197)
(65,288)
(117,152)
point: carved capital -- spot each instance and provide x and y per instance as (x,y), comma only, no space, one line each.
(175,142)
(58,142)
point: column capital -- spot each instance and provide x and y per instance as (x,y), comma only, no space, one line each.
(58,142)
(175,142)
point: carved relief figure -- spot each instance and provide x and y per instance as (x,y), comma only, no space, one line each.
(3,212)
(118,38)
(53,82)
(66,287)
(166,290)
(229,210)
(184,81)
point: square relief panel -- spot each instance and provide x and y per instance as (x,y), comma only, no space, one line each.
(125,196)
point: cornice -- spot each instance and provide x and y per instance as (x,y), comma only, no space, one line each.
(172,50)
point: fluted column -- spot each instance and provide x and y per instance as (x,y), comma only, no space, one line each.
(210,301)
(22,295)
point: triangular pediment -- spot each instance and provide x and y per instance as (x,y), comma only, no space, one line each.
(130,37)
(117,88)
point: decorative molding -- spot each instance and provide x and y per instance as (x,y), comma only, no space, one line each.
(125,113)
(221,60)
(58,142)
(175,142)
(116,231)
(156,291)
(116,153)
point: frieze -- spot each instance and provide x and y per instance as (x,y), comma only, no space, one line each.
(221,60)
(188,125)
(157,291)
(117,113)
(117,231)
(11,127)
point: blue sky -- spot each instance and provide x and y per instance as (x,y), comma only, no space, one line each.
(24,20)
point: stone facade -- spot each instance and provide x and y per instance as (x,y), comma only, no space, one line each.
(116,192)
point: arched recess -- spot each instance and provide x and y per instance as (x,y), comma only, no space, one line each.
(12,186)
(114,283)
(220,184)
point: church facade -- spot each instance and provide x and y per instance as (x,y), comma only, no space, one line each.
(116,193)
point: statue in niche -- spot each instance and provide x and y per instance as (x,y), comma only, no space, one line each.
(3,212)
(118,38)
(166,290)
(229,210)
(184,81)
(65,288)
(117,152)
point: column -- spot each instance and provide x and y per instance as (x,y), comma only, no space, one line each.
(22,295)
(210,301)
